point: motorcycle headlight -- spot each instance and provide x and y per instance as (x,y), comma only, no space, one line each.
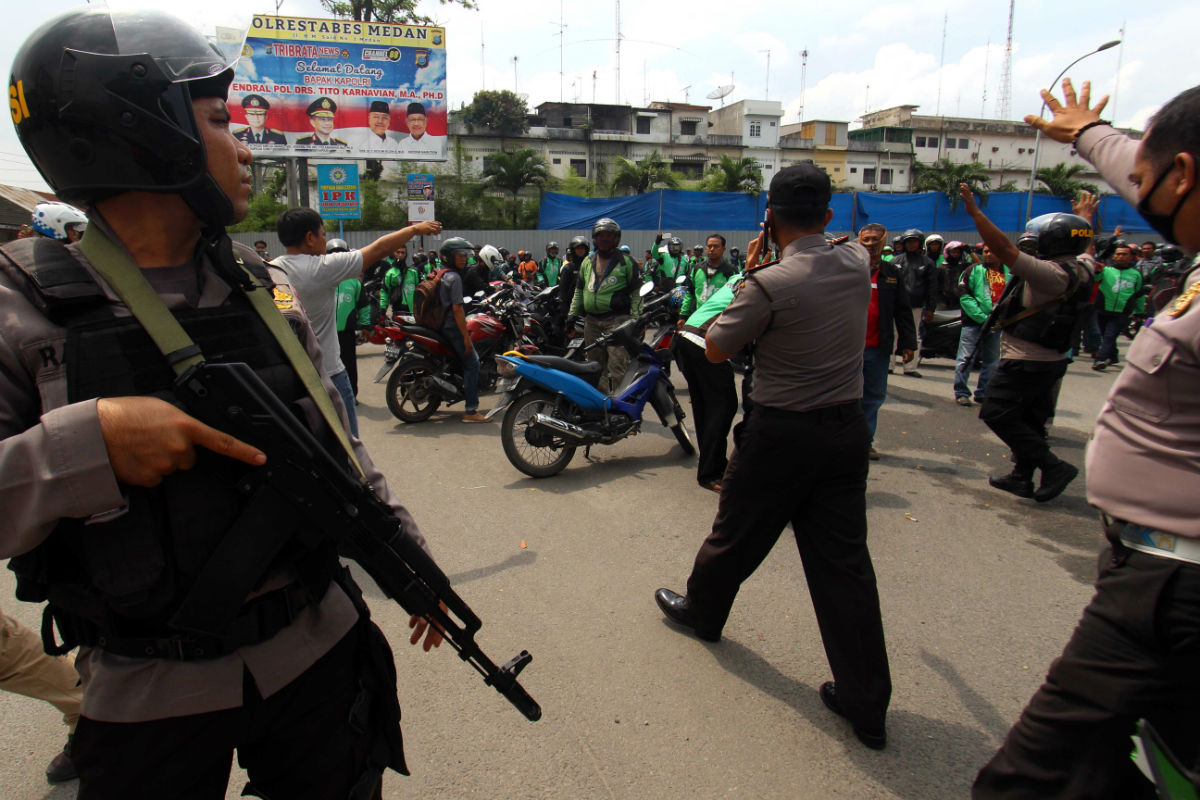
(505,368)
(387,340)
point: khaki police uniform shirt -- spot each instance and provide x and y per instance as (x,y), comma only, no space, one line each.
(810,353)
(54,464)
(1044,281)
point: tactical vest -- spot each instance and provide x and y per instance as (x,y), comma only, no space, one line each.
(1055,324)
(122,579)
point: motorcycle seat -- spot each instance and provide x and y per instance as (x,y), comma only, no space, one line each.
(581,369)
(430,333)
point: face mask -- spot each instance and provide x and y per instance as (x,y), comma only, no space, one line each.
(1164,224)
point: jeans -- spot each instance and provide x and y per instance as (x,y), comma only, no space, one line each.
(342,382)
(470,368)
(989,356)
(875,372)
(1111,326)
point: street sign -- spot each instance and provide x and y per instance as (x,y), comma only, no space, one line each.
(338,192)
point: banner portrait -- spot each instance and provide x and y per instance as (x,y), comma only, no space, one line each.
(342,89)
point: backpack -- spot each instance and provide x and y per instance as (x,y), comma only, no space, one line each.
(428,310)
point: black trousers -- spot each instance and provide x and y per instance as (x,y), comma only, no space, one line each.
(714,405)
(298,743)
(809,469)
(1135,653)
(346,347)
(1019,401)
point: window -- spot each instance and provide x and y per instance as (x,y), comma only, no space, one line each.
(566,122)
(1021,151)
(995,149)
(933,141)
(558,161)
(837,169)
(772,123)
(868,174)
(643,124)
(580,166)
(687,127)
(920,141)
(755,129)
(885,176)
(854,170)
(963,144)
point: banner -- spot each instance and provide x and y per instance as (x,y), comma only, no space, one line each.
(342,89)
(337,191)
(420,187)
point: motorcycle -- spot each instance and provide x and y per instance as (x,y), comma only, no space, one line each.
(942,334)
(425,370)
(554,406)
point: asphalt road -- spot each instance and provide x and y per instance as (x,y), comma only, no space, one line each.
(979,590)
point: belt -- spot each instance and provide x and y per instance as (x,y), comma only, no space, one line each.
(1160,543)
(694,338)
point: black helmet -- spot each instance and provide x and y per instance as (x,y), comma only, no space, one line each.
(102,102)
(1059,234)
(605,224)
(453,245)
(419,260)
(337,246)
(912,233)
(1170,254)
(674,244)
(551,246)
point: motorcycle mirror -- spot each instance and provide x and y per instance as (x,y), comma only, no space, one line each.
(681,280)
(646,289)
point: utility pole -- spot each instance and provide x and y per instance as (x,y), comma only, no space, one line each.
(516,85)
(767,90)
(1117,80)
(987,57)
(617,101)
(941,65)
(803,79)
(562,30)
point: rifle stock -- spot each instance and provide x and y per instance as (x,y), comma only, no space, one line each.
(232,398)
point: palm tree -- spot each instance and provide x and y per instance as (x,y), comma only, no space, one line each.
(945,175)
(728,175)
(1060,180)
(514,171)
(652,172)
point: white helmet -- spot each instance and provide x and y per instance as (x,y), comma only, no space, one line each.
(337,246)
(53,220)
(934,237)
(489,255)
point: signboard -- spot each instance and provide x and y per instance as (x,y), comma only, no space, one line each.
(420,187)
(420,210)
(337,191)
(324,87)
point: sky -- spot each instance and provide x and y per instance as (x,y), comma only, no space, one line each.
(862,54)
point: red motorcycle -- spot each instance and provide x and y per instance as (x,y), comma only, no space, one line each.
(426,372)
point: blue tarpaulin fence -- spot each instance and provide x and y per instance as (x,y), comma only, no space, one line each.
(669,209)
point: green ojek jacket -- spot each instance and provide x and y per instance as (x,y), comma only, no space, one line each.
(594,293)
(550,268)
(1117,288)
(348,293)
(703,287)
(976,302)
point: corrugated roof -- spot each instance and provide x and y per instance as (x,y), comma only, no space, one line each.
(16,205)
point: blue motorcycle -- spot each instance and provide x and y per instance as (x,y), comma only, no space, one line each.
(554,406)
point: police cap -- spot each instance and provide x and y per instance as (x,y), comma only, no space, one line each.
(321,107)
(255,102)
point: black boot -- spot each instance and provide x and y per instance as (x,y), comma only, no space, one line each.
(1054,480)
(1018,482)
(61,769)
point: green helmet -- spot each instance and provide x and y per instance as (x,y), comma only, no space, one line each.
(451,246)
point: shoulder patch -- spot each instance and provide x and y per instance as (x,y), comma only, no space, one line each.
(283,300)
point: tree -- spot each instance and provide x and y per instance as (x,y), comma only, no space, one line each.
(514,171)
(390,11)
(1060,181)
(945,175)
(652,172)
(729,175)
(266,206)
(501,110)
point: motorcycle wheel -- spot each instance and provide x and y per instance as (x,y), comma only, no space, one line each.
(409,397)
(537,453)
(684,439)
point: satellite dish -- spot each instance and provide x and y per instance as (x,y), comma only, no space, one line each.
(720,92)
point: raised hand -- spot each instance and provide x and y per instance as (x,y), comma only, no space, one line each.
(1070,116)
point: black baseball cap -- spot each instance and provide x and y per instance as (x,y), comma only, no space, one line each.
(801,186)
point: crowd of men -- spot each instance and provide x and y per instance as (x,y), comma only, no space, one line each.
(125,513)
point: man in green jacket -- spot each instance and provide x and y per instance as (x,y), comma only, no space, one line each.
(551,264)
(1120,286)
(669,264)
(708,276)
(606,296)
(982,285)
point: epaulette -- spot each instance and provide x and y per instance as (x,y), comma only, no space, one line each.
(53,280)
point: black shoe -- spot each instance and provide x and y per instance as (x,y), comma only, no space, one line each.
(1014,483)
(913,374)
(1100,366)
(61,768)
(1054,481)
(873,454)
(876,740)
(676,609)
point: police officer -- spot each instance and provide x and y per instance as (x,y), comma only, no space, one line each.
(114,500)
(321,115)
(255,107)
(1039,316)
(1135,653)
(808,316)
(606,296)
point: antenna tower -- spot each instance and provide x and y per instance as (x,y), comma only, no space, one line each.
(618,98)
(1117,81)
(1004,107)
(562,31)
(941,65)
(987,57)
(767,90)
(803,79)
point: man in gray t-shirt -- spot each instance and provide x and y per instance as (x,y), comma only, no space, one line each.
(315,276)
(800,454)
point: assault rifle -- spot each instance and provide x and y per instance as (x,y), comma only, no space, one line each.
(300,472)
